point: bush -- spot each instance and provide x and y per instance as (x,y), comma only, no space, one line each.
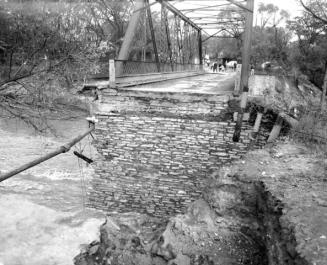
(312,130)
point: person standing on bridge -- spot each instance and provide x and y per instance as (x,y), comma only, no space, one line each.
(252,69)
(222,68)
(215,67)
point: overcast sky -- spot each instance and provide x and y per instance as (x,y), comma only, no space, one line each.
(292,6)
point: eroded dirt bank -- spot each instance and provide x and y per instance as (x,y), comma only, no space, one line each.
(269,208)
(295,190)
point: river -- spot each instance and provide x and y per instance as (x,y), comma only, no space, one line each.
(43,218)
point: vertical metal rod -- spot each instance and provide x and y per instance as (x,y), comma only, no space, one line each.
(145,38)
(153,36)
(245,68)
(129,36)
(182,52)
(177,29)
(168,37)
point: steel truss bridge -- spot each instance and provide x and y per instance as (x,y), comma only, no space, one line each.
(164,40)
(168,36)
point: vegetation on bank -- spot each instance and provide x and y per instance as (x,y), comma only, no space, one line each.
(298,45)
(47,48)
(296,48)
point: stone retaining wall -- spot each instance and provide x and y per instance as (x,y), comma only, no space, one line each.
(157,149)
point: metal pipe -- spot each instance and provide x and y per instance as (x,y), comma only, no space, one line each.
(62,149)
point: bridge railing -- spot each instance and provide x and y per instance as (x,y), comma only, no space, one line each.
(158,39)
(129,67)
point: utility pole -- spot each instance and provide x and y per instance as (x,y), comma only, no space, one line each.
(200,49)
(244,88)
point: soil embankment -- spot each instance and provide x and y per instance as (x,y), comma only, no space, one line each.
(269,208)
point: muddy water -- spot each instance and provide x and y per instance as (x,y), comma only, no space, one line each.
(43,218)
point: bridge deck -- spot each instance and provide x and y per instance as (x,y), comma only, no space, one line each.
(217,83)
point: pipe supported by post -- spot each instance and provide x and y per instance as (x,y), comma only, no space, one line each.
(62,149)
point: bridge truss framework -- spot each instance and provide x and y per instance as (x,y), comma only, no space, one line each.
(167,36)
(168,41)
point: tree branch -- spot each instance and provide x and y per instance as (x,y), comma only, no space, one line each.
(308,9)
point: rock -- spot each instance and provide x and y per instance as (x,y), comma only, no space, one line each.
(111,225)
(163,248)
(93,249)
(201,260)
(180,260)
(200,212)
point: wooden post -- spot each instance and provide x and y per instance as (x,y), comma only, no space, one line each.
(245,68)
(237,83)
(276,129)
(129,36)
(153,36)
(112,74)
(257,123)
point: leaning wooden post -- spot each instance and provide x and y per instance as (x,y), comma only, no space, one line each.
(276,129)
(129,36)
(112,74)
(244,89)
(257,123)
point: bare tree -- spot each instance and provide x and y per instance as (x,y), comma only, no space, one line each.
(48,48)
(318,10)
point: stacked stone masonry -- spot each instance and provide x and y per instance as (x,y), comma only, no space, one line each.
(157,149)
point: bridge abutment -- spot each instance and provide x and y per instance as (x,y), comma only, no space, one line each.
(157,149)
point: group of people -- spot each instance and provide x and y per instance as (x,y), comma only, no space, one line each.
(215,67)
